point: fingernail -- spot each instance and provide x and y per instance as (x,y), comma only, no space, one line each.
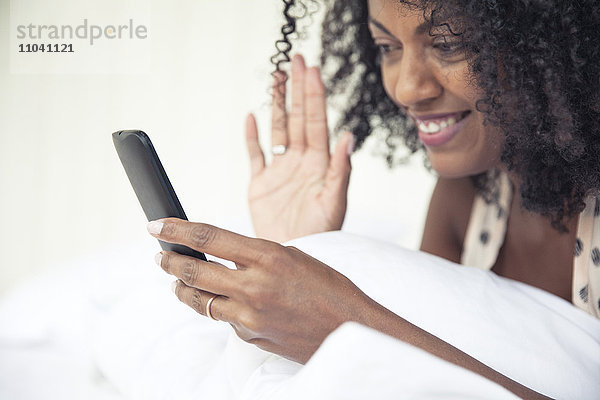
(351,145)
(174,286)
(158,258)
(154,227)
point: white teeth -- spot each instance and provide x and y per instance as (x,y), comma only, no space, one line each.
(424,127)
(433,127)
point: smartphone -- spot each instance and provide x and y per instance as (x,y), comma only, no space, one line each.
(150,182)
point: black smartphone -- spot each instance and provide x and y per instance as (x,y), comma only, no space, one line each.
(150,182)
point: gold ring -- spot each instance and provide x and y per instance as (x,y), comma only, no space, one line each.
(208,305)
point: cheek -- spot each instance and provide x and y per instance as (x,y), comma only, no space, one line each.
(477,151)
(389,82)
(458,80)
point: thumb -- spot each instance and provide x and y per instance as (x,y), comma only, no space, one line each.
(338,175)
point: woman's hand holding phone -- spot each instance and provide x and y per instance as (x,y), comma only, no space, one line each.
(279,298)
(304,190)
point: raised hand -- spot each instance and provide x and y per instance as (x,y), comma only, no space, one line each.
(304,190)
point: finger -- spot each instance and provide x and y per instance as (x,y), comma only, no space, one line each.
(216,262)
(257,158)
(316,116)
(220,308)
(208,276)
(278,113)
(209,239)
(296,116)
(338,174)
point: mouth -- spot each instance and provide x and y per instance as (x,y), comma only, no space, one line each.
(432,124)
(438,129)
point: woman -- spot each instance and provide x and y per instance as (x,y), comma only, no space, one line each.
(503,97)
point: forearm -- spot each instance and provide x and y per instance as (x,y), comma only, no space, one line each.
(378,317)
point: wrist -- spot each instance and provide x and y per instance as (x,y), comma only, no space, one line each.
(374,315)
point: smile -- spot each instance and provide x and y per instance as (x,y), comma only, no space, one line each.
(437,124)
(438,129)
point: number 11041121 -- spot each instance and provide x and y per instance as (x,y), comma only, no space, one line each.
(46,48)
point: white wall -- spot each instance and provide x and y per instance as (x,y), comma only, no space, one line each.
(63,191)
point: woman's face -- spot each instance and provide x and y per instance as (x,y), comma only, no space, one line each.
(428,76)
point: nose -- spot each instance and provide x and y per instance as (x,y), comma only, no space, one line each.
(413,81)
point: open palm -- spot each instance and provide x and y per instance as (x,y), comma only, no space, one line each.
(304,190)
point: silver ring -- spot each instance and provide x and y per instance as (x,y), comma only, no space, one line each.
(208,305)
(278,150)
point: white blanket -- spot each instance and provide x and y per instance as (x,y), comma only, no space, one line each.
(147,345)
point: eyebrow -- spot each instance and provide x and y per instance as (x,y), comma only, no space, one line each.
(419,30)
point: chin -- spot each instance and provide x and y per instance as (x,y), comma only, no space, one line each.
(452,165)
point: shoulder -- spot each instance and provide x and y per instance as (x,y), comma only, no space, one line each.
(448,217)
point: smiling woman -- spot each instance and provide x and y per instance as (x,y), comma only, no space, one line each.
(469,83)
(425,72)
(502,97)
(527,68)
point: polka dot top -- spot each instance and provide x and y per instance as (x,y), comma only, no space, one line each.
(487,228)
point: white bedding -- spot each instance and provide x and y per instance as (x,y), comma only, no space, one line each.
(113,330)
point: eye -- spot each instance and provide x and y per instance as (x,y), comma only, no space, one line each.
(385,48)
(447,47)
(450,49)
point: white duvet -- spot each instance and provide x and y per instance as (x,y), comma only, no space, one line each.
(111,329)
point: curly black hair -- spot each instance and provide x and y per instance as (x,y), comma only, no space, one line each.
(537,63)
